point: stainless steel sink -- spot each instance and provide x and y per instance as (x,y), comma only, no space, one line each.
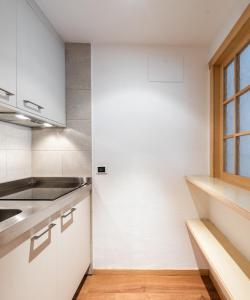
(40,188)
(8,213)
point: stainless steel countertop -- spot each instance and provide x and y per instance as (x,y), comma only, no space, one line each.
(35,214)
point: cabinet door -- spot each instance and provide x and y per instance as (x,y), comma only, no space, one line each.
(40,65)
(8,10)
(29,272)
(74,250)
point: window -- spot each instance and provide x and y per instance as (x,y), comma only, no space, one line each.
(236,107)
(230,106)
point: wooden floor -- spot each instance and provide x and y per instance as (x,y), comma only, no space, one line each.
(147,287)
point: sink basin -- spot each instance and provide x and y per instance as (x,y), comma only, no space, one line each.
(40,188)
(8,213)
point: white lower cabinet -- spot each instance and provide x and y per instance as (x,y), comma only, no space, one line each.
(51,266)
(26,278)
(74,249)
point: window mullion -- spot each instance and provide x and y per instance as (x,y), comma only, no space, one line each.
(236,114)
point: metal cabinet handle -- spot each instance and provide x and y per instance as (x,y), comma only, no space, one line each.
(36,237)
(39,107)
(6,92)
(69,213)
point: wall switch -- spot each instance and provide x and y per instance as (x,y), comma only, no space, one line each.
(101,170)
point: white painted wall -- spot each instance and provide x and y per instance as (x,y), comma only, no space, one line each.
(233,17)
(149,135)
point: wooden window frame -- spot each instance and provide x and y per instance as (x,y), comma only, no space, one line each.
(237,39)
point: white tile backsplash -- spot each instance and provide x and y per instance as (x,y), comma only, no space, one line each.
(18,164)
(46,139)
(2,136)
(2,165)
(46,163)
(15,153)
(17,137)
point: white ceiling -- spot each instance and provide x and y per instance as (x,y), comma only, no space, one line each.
(175,22)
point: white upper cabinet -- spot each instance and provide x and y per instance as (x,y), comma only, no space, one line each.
(40,65)
(8,52)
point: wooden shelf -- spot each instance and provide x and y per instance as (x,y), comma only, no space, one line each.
(229,268)
(230,195)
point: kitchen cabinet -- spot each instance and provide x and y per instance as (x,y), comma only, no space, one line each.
(8,13)
(23,278)
(74,249)
(40,65)
(53,265)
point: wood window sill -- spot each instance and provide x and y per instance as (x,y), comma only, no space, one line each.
(230,195)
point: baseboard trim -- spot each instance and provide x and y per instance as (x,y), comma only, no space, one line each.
(166,272)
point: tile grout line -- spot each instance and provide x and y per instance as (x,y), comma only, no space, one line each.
(61,158)
(51,150)
(74,89)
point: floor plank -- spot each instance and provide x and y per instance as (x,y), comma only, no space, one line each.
(150,287)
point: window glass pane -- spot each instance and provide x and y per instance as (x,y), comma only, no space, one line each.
(244,155)
(229,118)
(244,112)
(244,63)
(229,80)
(229,156)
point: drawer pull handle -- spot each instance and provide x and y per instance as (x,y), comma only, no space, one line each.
(27,102)
(36,237)
(69,213)
(6,92)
